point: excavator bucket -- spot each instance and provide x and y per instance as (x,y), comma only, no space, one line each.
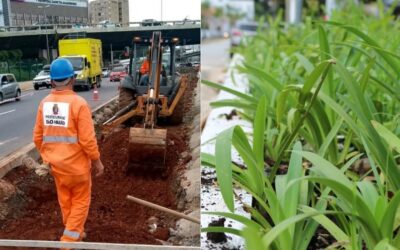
(147,148)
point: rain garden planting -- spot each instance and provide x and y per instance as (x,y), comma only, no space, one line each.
(323,155)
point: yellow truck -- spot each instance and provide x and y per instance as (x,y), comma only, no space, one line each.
(85,54)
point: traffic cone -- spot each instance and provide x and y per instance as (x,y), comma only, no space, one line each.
(95,93)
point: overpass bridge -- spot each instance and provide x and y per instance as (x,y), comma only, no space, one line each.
(33,38)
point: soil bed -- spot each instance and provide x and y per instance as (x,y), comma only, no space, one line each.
(36,214)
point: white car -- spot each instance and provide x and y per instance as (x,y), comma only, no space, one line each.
(105,72)
(42,80)
(243,29)
(107,24)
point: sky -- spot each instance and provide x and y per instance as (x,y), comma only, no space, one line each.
(172,10)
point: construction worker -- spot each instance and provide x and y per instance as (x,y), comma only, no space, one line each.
(64,135)
(145,67)
(145,70)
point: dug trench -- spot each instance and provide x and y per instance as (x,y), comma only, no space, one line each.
(29,207)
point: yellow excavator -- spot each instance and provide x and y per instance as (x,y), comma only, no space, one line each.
(147,98)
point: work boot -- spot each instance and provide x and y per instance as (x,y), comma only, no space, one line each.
(83,236)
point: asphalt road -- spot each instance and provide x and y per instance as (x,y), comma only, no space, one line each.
(214,62)
(17,119)
(214,59)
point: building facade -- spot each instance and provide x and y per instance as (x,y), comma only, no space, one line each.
(1,14)
(5,12)
(114,11)
(35,12)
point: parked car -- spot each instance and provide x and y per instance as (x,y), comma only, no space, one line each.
(106,72)
(46,67)
(42,80)
(117,74)
(243,29)
(9,87)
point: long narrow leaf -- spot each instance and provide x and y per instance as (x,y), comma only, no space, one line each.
(390,138)
(229,90)
(258,134)
(223,166)
(253,239)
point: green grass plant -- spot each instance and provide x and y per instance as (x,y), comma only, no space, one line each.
(322,95)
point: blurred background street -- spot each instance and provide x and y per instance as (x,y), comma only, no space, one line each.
(226,24)
(215,58)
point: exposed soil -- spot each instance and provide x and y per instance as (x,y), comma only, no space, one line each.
(321,239)
(36,214)
(231,115)
(112,218)
(217,237)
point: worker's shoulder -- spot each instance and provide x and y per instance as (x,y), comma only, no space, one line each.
(74,99)
(79,100)
(48,98)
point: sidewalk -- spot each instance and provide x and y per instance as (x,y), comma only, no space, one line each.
(214,62)
(212,40)
(25,86)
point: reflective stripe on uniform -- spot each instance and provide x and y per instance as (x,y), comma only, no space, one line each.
(66,139)
(71,234)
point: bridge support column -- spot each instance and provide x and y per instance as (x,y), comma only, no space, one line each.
(172,62)
(172,59)
(52,53)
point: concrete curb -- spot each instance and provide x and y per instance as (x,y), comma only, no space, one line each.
(25,86)
(14,160)
(87,245)
(211,198)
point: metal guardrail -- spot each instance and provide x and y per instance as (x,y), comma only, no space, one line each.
(97,26)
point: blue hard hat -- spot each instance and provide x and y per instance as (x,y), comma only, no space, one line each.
(61,69)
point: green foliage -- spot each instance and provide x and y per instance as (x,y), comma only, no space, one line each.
(329,91)
(10,55)
(24,69)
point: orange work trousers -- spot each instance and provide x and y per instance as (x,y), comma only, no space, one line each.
(73,193)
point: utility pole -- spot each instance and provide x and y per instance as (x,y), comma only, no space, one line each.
(47,37)
(112,57)
(293,11)
(161,10)
(330,6)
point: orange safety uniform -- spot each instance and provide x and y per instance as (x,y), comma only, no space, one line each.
(145,68)
(64,135)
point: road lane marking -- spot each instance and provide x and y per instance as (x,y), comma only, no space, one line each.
(13,98)
(6,141)
(7,112)
(28,94)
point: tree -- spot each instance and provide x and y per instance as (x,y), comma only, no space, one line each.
(233,14)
